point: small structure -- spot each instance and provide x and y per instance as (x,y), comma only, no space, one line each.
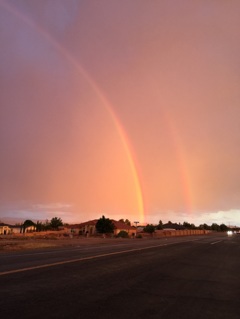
(5,229)
(120,226)
(30,229)
(16,229)
(85,228)
(88,228)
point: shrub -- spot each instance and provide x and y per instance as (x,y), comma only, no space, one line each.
(122,234)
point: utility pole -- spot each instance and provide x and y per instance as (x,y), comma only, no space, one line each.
(136,223)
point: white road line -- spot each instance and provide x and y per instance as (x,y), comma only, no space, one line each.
(53,251)
(68,249)
(75,260)
(216,242)
(84,258)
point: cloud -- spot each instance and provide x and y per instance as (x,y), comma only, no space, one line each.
(51,206)
(23,210)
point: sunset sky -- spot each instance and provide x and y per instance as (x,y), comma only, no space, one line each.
(128,109)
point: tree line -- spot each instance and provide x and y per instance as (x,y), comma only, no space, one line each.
(105,225)
(53,224)
(150,228)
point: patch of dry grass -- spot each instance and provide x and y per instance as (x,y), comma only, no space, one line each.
(41,241)
(25,245)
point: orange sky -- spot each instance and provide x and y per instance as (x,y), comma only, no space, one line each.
(124,108)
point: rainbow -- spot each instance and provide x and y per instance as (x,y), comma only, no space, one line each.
(182,164)
(108,107)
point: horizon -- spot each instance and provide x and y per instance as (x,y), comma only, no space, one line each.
(19,221)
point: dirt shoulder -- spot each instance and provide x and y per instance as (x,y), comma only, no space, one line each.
(15,243)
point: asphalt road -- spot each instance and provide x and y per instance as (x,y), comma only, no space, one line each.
(185,277)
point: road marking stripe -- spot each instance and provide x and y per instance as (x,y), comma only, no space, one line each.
(216,242)
(84,258)
(76,248)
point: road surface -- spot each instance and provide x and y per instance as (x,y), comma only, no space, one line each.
(184,277)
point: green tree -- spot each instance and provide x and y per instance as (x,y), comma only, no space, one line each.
(149,229)
(223,227)
(39,226)
(126,221)
(56,222)
(187,225)
(26,224)
(204,226)
(215,227)
(160,225)
(104,225)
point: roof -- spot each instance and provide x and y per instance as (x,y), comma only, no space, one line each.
(173,226)
(121,225)
(3,224)
(90,222)
(117,224)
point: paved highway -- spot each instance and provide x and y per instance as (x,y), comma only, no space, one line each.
(184,277)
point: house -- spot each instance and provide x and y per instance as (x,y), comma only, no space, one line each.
(20,229)
(5,229)
(16,229)
(86,228)
(173,226)
(89,228)
(30,229)
(120,226)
